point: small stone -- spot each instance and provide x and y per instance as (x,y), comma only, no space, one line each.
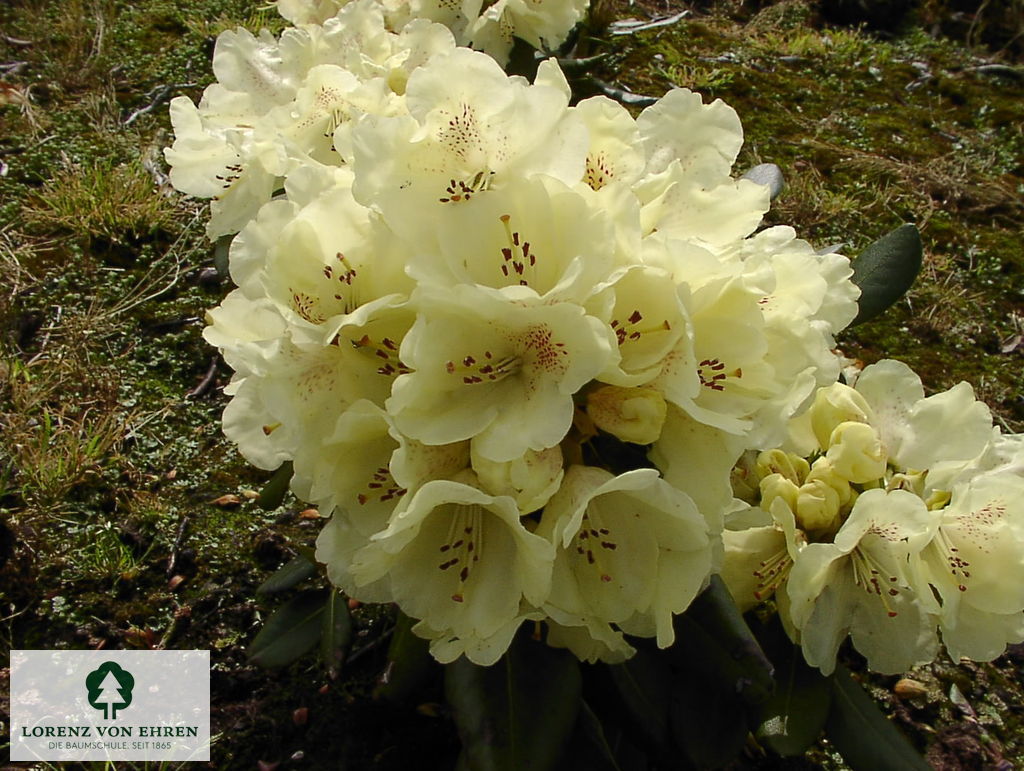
(209,277)
(767,174)
(309,514)
(909,689)
(300,716)
(175,582)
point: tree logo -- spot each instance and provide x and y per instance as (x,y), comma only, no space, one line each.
(110,688)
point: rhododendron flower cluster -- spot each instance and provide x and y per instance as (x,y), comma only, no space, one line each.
(890,517)
(471,299)
(486,25)
(539,363)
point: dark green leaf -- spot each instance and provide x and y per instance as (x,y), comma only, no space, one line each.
(520,712)
(220,255)
(273,491)
(709,722)
(588,748)
(336,632)
(297,569)
(291,631)
(713,630)
(643,685)
(792,719)
(862,734)
(410,664)
(885,270)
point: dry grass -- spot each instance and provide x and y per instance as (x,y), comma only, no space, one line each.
(61,424)
(101,200)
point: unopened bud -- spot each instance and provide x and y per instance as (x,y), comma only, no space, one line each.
(777,486)
(792,467)
(531,478)
(855,451)
(817,507)
(630,414)
(834,405)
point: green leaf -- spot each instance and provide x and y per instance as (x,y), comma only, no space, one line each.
(721,678)
(713,629)
(410,664)
(274,490)
(297,569)
(588,748)
(336,632)
(886,270)
(792,719)
(709,722)
(292,630)
(862,734)
(220,255)
(643,685)
(518,713)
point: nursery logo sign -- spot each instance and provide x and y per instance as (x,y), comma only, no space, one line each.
(110,688)
(110,705)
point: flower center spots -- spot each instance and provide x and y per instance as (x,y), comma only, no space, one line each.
(461,549)
(957,564)
(487,369)
(345,273)
(871,576)
(307,306)
(230,175)
(461,134)
(387,351)
(457,190)
(590,538)
(712,374)
(325,104)
(517,256)
(629,329)
(771,574)
(977,526)
(599,171)
(381,487)
(542,351)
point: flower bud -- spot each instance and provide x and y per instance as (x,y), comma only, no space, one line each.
(745,479)
(911,481)
(817,506)
(825,471)
(855,451)
(792,467)
(777,486)
(530,479)
(630,414)
(834,405)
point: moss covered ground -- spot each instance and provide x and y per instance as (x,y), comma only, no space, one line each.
(126,520)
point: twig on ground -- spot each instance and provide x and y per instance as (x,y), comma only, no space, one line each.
(14,41)
(157,96)
(206,382)
(629,26)
(172,562)
(621,95)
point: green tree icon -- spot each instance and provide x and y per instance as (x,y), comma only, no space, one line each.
(110,688)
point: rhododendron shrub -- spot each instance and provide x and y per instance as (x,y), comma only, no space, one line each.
(544,368)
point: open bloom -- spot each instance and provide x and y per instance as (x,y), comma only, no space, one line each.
(468,301)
